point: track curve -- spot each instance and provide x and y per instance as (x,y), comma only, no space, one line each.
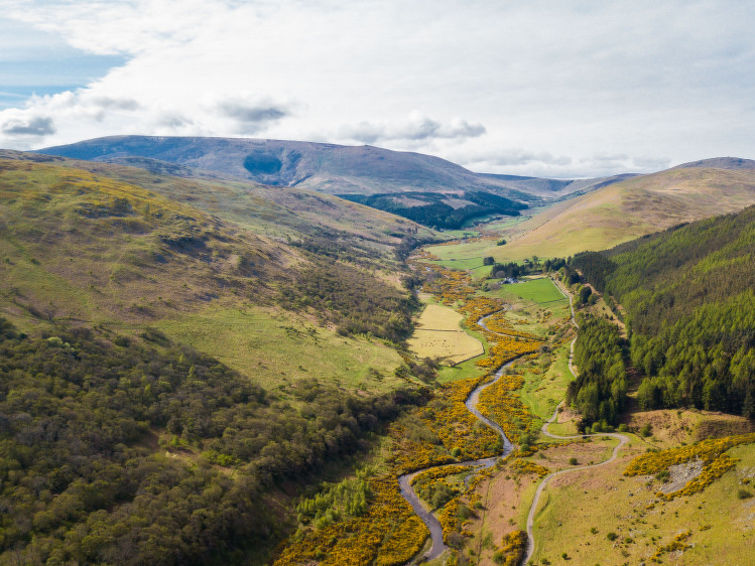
(622,441)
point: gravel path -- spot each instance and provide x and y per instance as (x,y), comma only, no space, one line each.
(622,441)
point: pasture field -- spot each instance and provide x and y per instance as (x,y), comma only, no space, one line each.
(275,349)
(465,370)
(545,387)
(540,290)
(462,263)
(719,522)
(439,335)
(466,250)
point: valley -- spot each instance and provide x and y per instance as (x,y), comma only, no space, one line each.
(340,385)
(377,283)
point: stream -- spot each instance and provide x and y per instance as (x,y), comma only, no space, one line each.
(438,547)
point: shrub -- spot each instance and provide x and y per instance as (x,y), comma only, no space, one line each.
(573,461)
(612,536)
(743,494)
(663,476)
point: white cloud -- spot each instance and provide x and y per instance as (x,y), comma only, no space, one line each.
(416,128)
(527,88)
(33,126)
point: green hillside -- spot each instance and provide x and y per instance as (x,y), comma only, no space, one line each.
(617,213)
(181,357)
(690,311)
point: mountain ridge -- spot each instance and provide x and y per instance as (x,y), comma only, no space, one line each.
(324,167)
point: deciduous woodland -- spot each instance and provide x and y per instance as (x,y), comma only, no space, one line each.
(82,413)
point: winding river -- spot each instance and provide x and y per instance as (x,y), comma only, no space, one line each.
(438,547)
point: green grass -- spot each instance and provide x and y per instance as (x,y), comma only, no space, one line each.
(542,393)
(536,290)
(458,234)
(462,263)
(563,429)
(720,523)
(460,371)
(276,350)
(462,251)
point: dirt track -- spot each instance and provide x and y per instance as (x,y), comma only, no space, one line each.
(622,441)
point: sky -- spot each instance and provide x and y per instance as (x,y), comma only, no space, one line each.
(557,89)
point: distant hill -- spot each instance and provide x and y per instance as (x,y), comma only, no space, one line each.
(631,208)
(721,163)
(327,168)
(289,214)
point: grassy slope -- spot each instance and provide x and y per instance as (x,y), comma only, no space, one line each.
(59,264)
(278,349)
(618,213)
(69,253)
(719,521)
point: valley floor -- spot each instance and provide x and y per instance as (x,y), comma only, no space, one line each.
(592,512)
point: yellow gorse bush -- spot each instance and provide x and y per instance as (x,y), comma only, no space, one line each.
(513,548)
(677,544)
(442,432)
(710,451)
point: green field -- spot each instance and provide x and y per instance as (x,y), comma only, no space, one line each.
(543,392)
(471,250)
(539,291)
(276,350)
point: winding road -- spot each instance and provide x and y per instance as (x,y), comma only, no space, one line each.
(622,441)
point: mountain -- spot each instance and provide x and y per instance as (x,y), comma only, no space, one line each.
(393,180)
(323,167)
(721,163)
(630,208)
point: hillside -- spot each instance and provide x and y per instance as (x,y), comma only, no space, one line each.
(690,312)
(264,210)
(623,211)
(189,316)
(361,172)
(82,247)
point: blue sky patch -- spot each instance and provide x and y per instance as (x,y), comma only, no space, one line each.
(39,62)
